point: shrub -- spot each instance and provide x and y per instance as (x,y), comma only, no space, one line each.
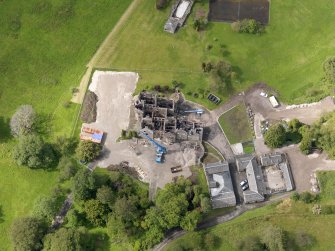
(67,169)
(87,151)
(31,151)
(276,136)
(250,26)
(249,243)
(307,197)
(304,240)
(23,121)
(295,196)
(89,109)
(328,209)
(161,4)
(329,69)
(27,233)
(274,238)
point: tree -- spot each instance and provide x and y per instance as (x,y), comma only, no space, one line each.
(275,137)
(33,152)
(250,243)
(294,125)
(274,238)
(116,229)
(152,237)
(27,233)
(190,221)
(23,121)
(74,218)
(105,195)
(46,208)
(65,239)
(329,69)
(209,240)
(67,169)
(65,146)
(304,240)
(307,139)
(88,151)
(205,204)
(83,185)
(295,196)
(96,212)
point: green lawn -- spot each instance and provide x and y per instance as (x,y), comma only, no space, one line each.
(45,46)
(211,154)
(235,124)
(288,56)
(291,216)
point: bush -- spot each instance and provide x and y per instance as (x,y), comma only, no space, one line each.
(87,151)
(295,196)
(304,240)
(275,137)
(27,233)
(31,151)
(307,197)
(23,121)
(328,209)
(249,243)
(250,26)
(274,238)
(67,169)
(89,109)
(329,69)
(161,4)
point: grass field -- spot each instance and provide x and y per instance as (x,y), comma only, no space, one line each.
(293,217)
(288,56)
(235,124)
(211,154)
(45,46)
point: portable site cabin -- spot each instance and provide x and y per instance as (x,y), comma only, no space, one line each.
(274,101)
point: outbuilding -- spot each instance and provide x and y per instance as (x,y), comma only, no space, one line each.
(274,101)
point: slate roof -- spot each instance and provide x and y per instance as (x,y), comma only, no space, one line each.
(220,184)
(279,159)
(243,161)
(271,159)
(257,189)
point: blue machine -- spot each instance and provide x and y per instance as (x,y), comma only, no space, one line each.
(197,111)
(160,150)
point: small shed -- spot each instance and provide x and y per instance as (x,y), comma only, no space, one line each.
(274,101)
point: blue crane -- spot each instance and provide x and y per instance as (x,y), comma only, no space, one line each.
(160,150)
(197,111)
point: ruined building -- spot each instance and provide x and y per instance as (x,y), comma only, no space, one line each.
(160,117)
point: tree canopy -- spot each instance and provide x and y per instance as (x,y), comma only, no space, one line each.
(87,151)
(329,69)
(31,151)
(27,233)
(23,120)
(66,240)
(276,136)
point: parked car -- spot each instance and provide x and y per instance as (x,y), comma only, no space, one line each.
(244,182)
(263,94)
(245,187)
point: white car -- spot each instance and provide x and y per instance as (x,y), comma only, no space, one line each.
(243,183)
(263,94)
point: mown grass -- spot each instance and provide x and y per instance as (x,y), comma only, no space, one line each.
(235,124)
(211,154)
(45,45)
(292,217)
(288,56)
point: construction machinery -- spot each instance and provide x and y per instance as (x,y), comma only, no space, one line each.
(197,111)
(160,150)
